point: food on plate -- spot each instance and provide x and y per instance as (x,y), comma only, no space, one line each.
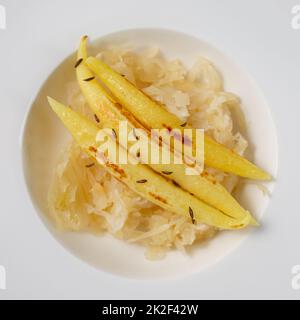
(155,205)
(204,187)
(141,179)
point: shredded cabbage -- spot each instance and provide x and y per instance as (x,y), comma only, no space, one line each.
(84,197)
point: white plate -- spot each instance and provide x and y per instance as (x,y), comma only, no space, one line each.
(44,137)
(259,37)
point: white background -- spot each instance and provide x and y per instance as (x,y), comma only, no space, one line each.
(257,34)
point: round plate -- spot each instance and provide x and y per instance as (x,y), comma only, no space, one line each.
(44,137)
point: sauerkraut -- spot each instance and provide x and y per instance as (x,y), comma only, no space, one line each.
(84,197)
